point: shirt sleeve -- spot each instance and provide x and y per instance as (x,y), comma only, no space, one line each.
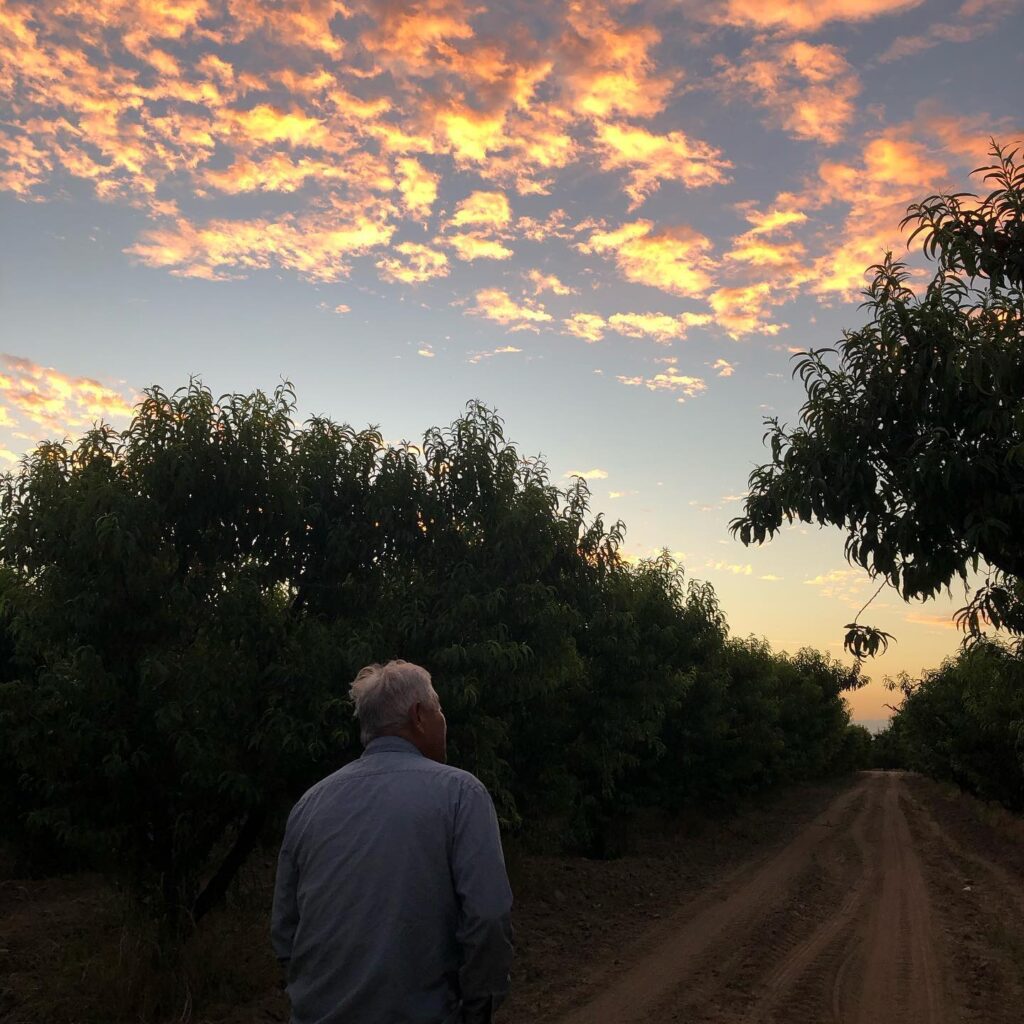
(484,931)
(284,918)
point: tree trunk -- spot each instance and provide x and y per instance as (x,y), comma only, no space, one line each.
(217,887)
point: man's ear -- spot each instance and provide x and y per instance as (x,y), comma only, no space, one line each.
(416,717)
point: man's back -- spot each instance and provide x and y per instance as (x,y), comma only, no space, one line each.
(392,902)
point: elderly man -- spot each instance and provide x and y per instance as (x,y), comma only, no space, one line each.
(392,905)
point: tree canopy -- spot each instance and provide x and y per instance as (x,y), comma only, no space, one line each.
(183,605)
(911,438)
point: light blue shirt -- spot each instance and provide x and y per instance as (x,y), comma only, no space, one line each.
(392,905)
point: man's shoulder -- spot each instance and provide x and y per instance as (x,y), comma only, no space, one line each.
(363,768)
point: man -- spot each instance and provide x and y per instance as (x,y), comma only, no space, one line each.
(392,905)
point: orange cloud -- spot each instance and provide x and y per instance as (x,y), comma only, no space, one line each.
(56,402)
(607,66)
(471,245)
(676,259)
(487,208)
(937,621)
(548,283)
(651,159)
(804,15)
(504,350)
(417,185)
(536,144)
(470,135)
(658,326)
(588,326)
(554,225)
(974,19)
(589,474)
(672,381)
(808,89)
(317,245)
(723,367)
(281,172)
(305,24)
(23,164)
(894,171)
(742,569)
(497,305)
(744,309)
(413,37)
(413,264)
(266,124)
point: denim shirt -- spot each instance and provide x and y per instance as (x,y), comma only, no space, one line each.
(392,905)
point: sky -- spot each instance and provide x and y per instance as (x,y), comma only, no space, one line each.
(616,222)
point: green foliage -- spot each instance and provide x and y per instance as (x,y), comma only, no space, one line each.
(912,435)
(753,719)
(964,723)
(184,603)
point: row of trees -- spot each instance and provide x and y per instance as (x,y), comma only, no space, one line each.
(963,723)
(183,604)
(911,440)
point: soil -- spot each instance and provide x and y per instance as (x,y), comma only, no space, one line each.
(884,899)
(899,902)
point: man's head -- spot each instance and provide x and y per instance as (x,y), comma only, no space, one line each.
(398,699)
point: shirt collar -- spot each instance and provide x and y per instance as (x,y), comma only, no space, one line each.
(390,745)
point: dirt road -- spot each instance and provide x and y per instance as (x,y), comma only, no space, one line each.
(879,911)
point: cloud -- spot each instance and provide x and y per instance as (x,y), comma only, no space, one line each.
(342,308)
(674,259)
(651,159)
(554,225)
(413,264)
(770,578)
(412,37)
(497,305)
(490,209)
(661,327)
(316,245)
(974,19)
(417,185)
(504,350)
(723,367)
(43,397)
(803,15)
(426,352)
(607,67)
(325,139)
(894,170)
(846,585)
(670,380)
(589,474)
(744,309)
(470,246)
(548,283)
(737,570)
(588,326)
(935,620)
(808,89)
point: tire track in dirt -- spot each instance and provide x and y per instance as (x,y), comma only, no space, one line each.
(698,935)
(978,905)
(1008,885)
(892,969)
(812,951)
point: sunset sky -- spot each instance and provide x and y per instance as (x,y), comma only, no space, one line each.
(614,221)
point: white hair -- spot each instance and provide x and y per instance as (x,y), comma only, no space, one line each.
(384,694)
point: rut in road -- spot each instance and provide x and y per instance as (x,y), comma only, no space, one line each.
(836,927)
